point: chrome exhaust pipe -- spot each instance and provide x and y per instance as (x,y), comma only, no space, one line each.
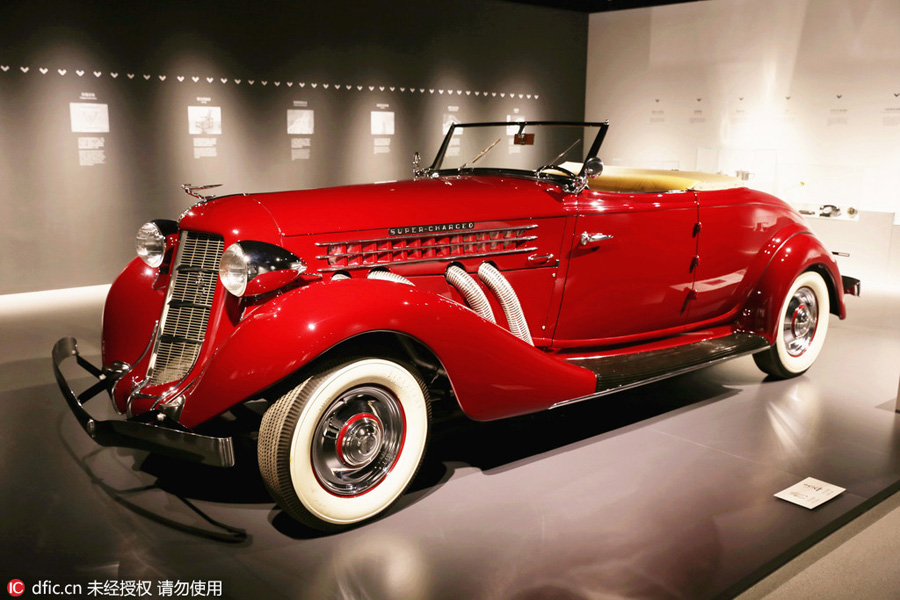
(509,302)
(471,292)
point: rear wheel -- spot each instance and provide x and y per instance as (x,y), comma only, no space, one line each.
(343,445)
(803,325)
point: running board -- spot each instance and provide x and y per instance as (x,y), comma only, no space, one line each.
(625,371)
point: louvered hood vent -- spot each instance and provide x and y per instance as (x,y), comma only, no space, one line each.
(182,327)
(361,254)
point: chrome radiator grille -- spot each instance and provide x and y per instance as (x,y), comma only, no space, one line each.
(182,327)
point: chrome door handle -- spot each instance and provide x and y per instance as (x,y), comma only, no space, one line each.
(539,259)
(590,238)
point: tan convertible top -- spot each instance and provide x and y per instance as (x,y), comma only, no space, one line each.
(629,180)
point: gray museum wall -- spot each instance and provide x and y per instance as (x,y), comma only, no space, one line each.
(802,97)
(94,131)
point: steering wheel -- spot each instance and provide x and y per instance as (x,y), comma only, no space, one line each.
(563,170)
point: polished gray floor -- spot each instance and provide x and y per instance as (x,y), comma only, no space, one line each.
(662,492)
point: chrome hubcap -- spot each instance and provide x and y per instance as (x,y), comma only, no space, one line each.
(800,321)
(358,440)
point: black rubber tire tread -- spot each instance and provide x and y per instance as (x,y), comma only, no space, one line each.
(769,363)
(768,360)
(276,432)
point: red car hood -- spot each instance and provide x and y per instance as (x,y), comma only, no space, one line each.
(409,203)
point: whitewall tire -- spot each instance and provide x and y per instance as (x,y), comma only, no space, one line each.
(343,445)
(803,324)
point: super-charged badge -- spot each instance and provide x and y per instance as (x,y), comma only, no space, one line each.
(442,228)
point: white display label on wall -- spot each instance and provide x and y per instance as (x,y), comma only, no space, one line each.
(739,116)
(205,147)
(300,122)
(382,122)
(89,117)
(205,120)
(300,148)
(891,116)
(382,145)
(810,493)
(91,151)
(838,116)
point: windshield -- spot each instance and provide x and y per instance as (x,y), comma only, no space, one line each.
(519,146)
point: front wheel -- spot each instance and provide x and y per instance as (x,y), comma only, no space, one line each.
(803,325)
(340,447)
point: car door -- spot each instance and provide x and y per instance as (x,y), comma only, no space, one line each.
(629,269)
(736,226)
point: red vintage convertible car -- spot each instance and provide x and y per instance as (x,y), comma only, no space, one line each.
(513,275)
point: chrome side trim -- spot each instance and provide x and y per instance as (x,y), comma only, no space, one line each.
(419,236)
(425,260)
(527,238)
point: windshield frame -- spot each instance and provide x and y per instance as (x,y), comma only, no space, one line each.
(435,168)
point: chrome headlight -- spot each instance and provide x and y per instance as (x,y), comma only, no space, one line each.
(251,268)
(150,243)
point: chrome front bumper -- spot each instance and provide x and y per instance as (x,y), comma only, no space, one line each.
(152,431)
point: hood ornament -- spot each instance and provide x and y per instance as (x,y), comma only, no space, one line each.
(191,190)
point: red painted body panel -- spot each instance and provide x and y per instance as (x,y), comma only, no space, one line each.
(635,282)
(659,282)
(411,203)
(133,305)
(736,226)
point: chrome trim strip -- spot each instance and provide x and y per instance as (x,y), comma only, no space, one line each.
(430,235)
(424,260)
(504,241)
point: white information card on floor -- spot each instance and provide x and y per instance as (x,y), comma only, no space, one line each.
(810,493)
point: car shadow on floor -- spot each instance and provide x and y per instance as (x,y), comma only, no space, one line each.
(506,443)
(498,446)
(456,441)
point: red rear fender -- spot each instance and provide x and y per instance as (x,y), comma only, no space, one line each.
(798,253)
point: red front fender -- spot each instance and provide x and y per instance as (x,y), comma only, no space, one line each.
(797,254)
(493,373)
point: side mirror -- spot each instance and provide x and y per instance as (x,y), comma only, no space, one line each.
(593,167)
